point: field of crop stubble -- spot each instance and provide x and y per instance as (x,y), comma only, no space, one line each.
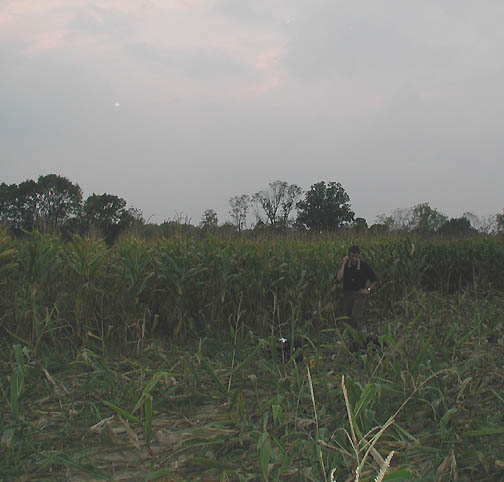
(159,361)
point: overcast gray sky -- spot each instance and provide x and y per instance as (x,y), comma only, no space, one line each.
(177,105)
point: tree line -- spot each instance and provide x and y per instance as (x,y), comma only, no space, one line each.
(54,204)
(326,207)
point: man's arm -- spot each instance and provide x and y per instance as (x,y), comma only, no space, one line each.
(367,291)
(341,271)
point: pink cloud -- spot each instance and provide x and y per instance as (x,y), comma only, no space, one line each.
(268,64)
(45,41)
(264,87)
(42,24)
(268,59)
(45,25)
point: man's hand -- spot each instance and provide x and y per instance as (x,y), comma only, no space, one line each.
(341,270)
(365,291)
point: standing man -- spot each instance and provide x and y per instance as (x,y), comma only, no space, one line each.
(359,280)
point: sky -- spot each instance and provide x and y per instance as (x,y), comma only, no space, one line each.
(178,105)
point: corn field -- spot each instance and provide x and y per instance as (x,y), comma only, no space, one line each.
(159,360)
(54,291)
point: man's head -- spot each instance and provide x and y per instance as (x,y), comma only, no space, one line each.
(354,253)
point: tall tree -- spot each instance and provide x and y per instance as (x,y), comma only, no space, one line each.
(421,218)
(276,202)
(8,211)
(426,219)
(209,220)
(239,210)
(58,200)
(485,224)
(325,207)
(109,214)
(457,227)
(48,203)
(400,218)
(25,205)
(500,222)
(360,224)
